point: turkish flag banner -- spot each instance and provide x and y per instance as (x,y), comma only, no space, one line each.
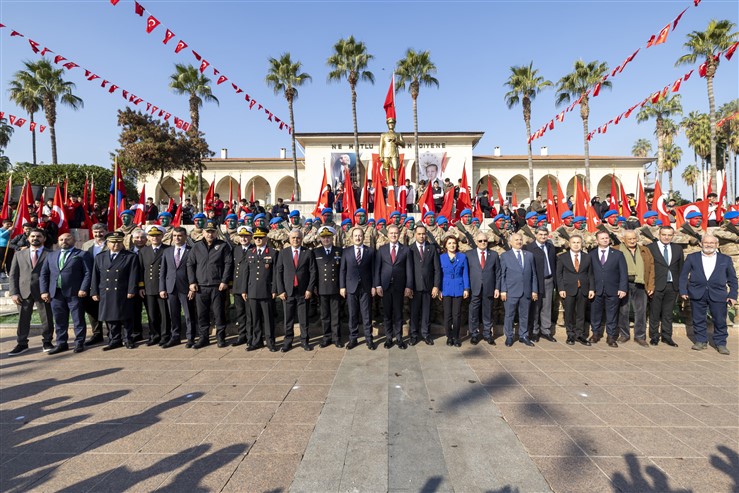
(662,37)
(151,24)
(169,35)
(221,80)
(138,8)
(203,66)
(181,45)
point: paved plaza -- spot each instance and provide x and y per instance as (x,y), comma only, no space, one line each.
(431,418)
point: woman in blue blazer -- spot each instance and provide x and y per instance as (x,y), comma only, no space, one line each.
(455,286)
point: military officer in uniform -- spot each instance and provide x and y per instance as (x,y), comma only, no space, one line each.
(408,236)
(328,262)
(259,292)
(114,285)
(127,228)
(150,262)
(209,269)
(243,314)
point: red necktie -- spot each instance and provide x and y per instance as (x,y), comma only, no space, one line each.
(482,260)
(392,254)
(34,258)
(295,261)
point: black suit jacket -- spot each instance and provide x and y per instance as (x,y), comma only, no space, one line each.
(149,267)
(76,274)
(173,279)
(567,277)
(353,276)
(286,271)
(427,272)
(611,277)
(661,267)
(241,258)
(540,264)
(484,281)
(399,275)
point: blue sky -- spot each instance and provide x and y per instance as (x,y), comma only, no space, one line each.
(473,45)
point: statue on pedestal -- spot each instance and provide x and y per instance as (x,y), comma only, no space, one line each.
(389,143)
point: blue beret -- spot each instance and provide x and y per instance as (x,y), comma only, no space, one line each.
(650,214)
(346,221)
(499,216)
(731,215)
(475,220)
(294,213)
(308,220)
(371,220)
(327,210)
(621,219)
(541,217)
(360,211)
(249,214)
(580,219)
(531,214)
(465,212)
(394,213)
(275,220)
(442,220)
(261,215)
(409,219)
(429,213)
(232,216)
(507,218)
(164,214)
(567,214)
(199,215)
(693,214)
(127,211)
(381,220)
(610,213)
(658,222)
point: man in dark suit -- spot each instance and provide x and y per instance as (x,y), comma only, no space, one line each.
(355,283)
(25,291)
(150,261)
(611,286)
(174,287)
(484,268)
(259,291)
(138,239)
(575,283)
(668,263)
(426,284)
(295,279)
(209,269)
(241,306)
(708,280)
(393,281)
(115,276)
(545,261)
(327,258)
(65,283)
(94,247)
(518,288)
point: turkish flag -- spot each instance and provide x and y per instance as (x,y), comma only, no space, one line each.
(676,85)
(203,66)
(561,117)
(446,209)
(702,69)
(730,52)
(364,199)
(138,8)
(34,45)
(114,2)
(22,216)
(389,104)
(391,203)
(31,127)
(463,200)
(139,217)
(682,211)
(59,58)
(58,215)
(613,204)
(402,189)
(552,213)
(677,19)
(167,36)
(625,209)
(426,202)
(6,199)
(721,203)
(221,80)
(322,196)
(662,36)
(658,204)
(350,206)
(651,41)
(596,90)
(210,195)
(151,24)
(181,45)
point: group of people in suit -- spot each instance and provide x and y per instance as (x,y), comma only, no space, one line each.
(193,280)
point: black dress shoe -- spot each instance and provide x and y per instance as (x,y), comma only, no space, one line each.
(548,337)
(201,343)
(239,342)
(164,341)
(402,344)
(653,342)
(60,348)
(583,341)
(371,344)
(508,342)
(79,348)
(570,341)
(339,344)
(222,343)
(152,341)
(457,343)
(95,339)
(594,338)
(171,343)
(490,341)
(474,340)
(670,342)
(324,344)
(352,344)
(388,344)
(190,343)
(413,341)
(138,338)
(130,345)
(611,341)
(112,345)
(449,341)
(306,346)
(273,349)
(428,341)
(527,342)
(534,338)
(285,348)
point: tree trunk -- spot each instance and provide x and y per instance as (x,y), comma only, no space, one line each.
(729,176)
(669,177)
(295,158)
(712,118)
(52,138)
(33,140)
(356,134)
(415,136)
(584,115)
(200,187)
(527,119)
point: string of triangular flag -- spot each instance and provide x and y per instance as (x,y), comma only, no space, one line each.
(153,23)
(130,97)
(19,122)
(654,40)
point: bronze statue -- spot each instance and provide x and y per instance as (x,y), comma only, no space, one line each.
(389,143)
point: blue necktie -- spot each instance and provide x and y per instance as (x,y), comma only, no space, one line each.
(666,254)
(520,259)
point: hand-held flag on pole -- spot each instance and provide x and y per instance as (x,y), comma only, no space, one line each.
(390,100)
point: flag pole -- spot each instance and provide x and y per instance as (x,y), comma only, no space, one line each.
(115,191)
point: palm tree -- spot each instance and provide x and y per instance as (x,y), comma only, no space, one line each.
(349,61)
(703,45)
(6,130)
(525,83)
(691,174)
(416,70)
(52,89)
(672,156)
(729,132)
(285,76)
(187,80)
(23,91)
(641,148)
(660,111)
(696,126)
(577,84)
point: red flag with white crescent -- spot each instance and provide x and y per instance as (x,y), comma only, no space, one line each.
(322,201)
(167,36)
(181,45)
(58,214)
(402,189)
(177,219)
(658,204)
(139,217)
(151,24)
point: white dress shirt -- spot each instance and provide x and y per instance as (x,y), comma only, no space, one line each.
(709,264)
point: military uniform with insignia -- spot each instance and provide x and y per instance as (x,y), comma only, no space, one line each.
(259,291)
(241,252)
(150,261)
(328,264)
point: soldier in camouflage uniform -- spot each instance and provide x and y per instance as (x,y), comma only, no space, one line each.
(231,234)
(527,231)
(127,228)
(689,235)
(466,231)
(408,237)
(541,221)
(728,237)
(588,239)
(649,233)
(361,222)
(294,221)
(612,227)
(249,220)
(165,221)
(197,232)
(561,236)
(382,238)
(498,234)
(434,233)
(277,236)
(346,225)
